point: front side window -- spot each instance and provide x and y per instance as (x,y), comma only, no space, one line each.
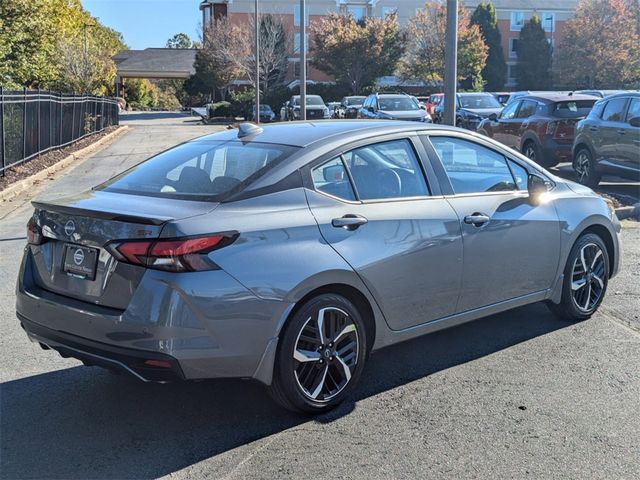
(199,170)
(509,111)
(520,175)
(614,110)
(386,170)
(331,178)
(473,168)
(527,108)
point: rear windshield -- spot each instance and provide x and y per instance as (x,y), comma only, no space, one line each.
(479,101)
(199,170)
(397,103)
(571,109)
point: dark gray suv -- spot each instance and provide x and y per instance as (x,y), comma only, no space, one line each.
(608,140)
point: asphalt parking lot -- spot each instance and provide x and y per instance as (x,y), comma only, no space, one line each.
(515,395)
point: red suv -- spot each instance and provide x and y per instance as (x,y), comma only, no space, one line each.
(541,126)
(432,102)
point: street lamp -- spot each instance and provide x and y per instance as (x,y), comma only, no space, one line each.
(257,72)
(303,61)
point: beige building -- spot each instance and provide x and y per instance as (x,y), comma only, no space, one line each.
(512,15)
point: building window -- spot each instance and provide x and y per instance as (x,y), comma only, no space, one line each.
(296,16)
(549,21)
(296,42)
(386,11)
(513,48)
(517,21)
(358,12)
(296,68)
(512,73)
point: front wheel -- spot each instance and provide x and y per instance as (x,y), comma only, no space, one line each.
(586,276)
(320,356)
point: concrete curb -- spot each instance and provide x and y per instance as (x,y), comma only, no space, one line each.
(82,154)
(632,212)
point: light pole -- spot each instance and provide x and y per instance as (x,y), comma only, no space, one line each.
(303,61)
(86,55)
(257,72)
(450,63)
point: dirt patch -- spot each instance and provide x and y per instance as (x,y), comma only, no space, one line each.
(28,168)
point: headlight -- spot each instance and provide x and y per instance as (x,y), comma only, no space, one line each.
(426,118)
(611,206)
(326,111)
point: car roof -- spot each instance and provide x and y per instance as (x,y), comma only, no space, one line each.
(618,95)
(465,94)
(558,97)
(305,133)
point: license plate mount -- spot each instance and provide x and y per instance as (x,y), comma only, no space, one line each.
(79,261)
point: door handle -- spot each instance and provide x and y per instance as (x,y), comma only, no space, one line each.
(621,131)
(477,219)
(349,221)
(593,128)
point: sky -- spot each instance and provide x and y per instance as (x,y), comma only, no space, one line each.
(148,23)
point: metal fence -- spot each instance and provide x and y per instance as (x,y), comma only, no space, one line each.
(33,122)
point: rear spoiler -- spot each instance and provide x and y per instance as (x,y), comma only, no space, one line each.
(104,215)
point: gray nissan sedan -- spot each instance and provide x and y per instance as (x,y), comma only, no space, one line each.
(288,253)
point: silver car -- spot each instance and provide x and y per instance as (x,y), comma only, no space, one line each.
(288,253)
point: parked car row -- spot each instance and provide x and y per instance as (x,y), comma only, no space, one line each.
(597,130)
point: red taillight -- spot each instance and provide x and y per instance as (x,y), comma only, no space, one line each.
(174,255)
(34,233)
(158,363)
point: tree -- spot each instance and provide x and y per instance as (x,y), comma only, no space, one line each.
(356,53)
(600,48)
(274,53)
(222,58)
(180,40)
(42,46)
(495,70)
(534,57)
(424,57)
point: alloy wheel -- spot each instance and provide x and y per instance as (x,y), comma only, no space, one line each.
(583,166)
(587,284)
(326,354)
(530,152)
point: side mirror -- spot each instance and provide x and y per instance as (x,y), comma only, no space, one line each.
(371,109)
(536,185)
(635,122)
(493,117)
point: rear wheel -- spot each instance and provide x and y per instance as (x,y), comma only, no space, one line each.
(531,150)
(320,356)
(585,168)
(586,276)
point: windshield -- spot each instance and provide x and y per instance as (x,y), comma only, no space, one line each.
(572,109)
(311,100)
(397,103)
(199,170)
(354,101)
(479,101)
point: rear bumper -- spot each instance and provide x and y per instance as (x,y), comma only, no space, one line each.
(204,324)
(125,360)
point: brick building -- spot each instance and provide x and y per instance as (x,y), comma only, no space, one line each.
(512,15)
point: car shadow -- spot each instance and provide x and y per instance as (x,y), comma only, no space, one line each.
(87,423)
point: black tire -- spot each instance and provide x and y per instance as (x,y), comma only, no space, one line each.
(532,151)
(289,374)
(568,308)
(585,168)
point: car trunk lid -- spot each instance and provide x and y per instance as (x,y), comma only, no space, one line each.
(73,260)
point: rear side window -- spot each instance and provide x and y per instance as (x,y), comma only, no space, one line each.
(573,109)
(614,110)
(199,170)
(473,168)
(634,109)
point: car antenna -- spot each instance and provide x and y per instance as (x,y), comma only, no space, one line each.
(247,129)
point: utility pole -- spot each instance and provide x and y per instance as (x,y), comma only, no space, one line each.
(303,61)
(450,63)
(257,73)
